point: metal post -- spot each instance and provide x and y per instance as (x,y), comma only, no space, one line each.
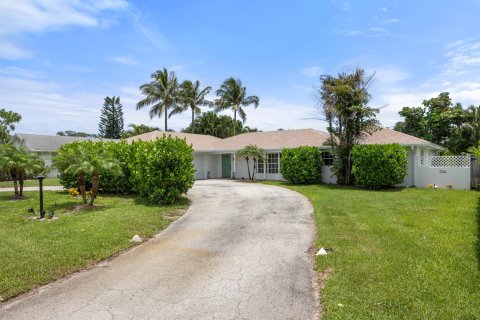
(40,182)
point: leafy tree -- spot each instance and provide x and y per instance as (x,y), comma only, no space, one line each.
(344,102)
(210,123)
(440,121)
(111,119)
(414,123)
(192,97)
(137,130)
(83,159)
(20,164)
(254,152)
(233,95)
(7,124)
(162,93)
(71,133)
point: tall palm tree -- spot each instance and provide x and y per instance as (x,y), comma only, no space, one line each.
(191,97)
(161,93)
(233,95)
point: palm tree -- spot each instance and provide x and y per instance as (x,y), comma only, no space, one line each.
(161,93)
(192,97)
(86,158)
(20,165)
(232,95)
(251,151)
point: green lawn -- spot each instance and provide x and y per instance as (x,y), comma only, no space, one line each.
(398,254)
(35,252)
(32,183)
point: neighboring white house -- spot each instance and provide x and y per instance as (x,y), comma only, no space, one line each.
(47,146)
(216,158)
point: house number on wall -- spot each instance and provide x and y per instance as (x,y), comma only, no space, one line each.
(442,171)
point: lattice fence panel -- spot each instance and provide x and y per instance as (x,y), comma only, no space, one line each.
(448,161)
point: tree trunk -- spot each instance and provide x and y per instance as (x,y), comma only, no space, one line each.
(13,173)
(193,120)
(234,121)
(248,168)
(81,186)
(21,179)
(254,167)
(166,118)
(95,185)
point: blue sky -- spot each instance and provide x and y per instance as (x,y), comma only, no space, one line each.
(59,59)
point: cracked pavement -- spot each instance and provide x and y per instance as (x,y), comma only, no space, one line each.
(240,252)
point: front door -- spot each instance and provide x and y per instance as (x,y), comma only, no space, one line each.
(226,166)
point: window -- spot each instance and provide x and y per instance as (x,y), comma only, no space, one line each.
(272,163)
(327,158)
(260,166)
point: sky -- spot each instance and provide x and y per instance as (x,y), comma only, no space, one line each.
(60,59)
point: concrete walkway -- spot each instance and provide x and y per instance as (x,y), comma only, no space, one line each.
(240,252)
(46,188)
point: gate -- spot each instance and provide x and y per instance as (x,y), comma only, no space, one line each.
(474,173)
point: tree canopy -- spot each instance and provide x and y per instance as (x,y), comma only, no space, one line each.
(221,126)
(233,95)
(111,119)
(8,119)
(162,93)
(441,121)
(344,100)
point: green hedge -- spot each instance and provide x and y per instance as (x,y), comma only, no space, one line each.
(302,165)
(379,166)
(163,169)
(160,170)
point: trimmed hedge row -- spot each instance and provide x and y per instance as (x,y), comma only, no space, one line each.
(379,166)
(160,170)
(302,165)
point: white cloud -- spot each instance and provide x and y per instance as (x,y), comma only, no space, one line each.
(313,72)
(463,57)
(21,16)
(124,60)
(389,74)
(9,51)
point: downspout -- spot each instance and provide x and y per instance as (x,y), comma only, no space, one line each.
(414,163)
(265,166)
(234,165)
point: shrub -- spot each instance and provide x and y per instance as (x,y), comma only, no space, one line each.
(163,169)
(302,165)
(379,166)
(160,170)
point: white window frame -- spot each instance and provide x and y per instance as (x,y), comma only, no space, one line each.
(260,166)
(273,163)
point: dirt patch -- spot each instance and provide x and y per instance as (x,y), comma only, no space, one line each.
(319,280)
(83,207)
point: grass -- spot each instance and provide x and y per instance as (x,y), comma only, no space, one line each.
(32,183)
(397,254)
(36,252)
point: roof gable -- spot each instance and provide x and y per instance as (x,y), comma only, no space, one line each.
(47,143)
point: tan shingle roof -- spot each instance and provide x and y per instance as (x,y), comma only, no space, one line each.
(385,135)
(274,140)
(200,142)
(278,140)
(47,143)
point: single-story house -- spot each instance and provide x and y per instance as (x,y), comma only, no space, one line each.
(216,158)
(47,146)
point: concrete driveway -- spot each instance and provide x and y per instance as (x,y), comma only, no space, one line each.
(240,252)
